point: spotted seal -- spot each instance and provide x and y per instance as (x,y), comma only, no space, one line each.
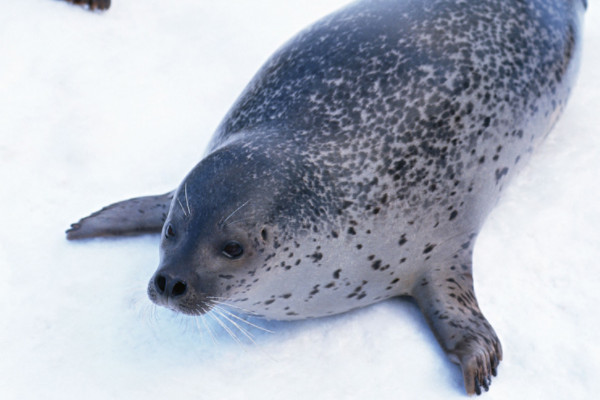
(360,163)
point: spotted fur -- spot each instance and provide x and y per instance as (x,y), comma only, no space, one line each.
(361,161)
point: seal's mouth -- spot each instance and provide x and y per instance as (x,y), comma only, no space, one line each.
(191,310)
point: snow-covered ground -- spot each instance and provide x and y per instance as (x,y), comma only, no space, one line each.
(97,107)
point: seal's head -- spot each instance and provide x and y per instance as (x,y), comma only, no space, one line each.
(213,235)
(221,228)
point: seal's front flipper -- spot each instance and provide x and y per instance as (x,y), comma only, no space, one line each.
(446,297)
(93,4)
(130,217)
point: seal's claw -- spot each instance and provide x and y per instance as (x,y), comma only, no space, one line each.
(477,386)
(72,231)
(495,363)
(479,361)
(486,383)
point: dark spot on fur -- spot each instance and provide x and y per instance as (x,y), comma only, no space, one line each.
(402,240)
(336,274)
(351,231)
(500,173)
(453,215)
(428,248)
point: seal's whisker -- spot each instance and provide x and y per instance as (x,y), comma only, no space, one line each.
(223,303)
(243,320)
(154,312)
(223,300)
(146,311)
(182,209)
(241,220)
(226,314)
(235,324)
(226,328)
(236,210)
(198,326)
(187,203)
(210,331)
(216,298)
(201,329)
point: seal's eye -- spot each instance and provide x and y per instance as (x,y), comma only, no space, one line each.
(233,250)
(169,232)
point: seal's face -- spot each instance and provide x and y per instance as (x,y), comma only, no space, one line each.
(212,241)
(204,259)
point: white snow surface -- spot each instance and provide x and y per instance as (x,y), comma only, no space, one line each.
(98,107)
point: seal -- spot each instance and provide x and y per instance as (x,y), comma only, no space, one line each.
(359,165)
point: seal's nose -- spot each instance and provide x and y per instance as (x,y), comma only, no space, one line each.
(168,286)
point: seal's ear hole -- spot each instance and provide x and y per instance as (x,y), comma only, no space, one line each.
(169,232)
(264,234)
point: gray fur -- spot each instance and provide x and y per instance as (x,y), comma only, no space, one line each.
(361,161)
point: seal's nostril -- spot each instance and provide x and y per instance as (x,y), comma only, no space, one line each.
(160,282)
(167,286)
(178,289)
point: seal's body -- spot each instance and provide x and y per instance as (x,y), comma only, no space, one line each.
(360,164)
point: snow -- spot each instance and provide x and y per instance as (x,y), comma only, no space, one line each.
(98,107)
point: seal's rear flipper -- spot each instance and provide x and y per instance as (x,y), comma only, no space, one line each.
(447,299)
(129,217)
(93,4)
